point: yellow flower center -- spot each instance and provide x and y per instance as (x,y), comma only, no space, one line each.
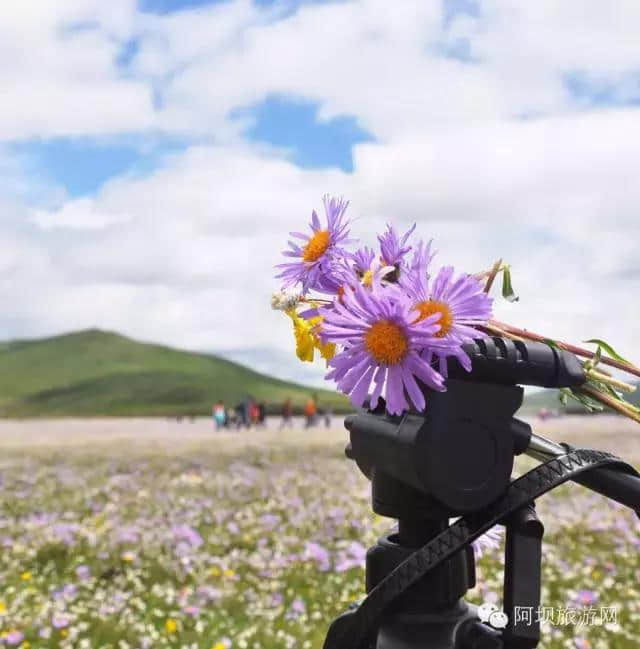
(367,279)
(316,246)
(386,342)
(429,308)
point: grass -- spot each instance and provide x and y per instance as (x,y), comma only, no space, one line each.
(253,542)
(93,372)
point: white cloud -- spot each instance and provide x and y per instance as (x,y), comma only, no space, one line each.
(185,255)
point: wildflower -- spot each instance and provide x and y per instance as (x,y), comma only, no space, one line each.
(283,301)
(322,246)
(229,573)
(60,621)
(83,572)
(422,258)
(363,260)
(26,576)
(224,643)
(383,342)
(488,541)
(3,608)
(307,339)
(14,637)
(392,247)
(128,556)
(461,304)
(171,626)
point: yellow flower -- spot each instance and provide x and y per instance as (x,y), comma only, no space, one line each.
(229,573)
(25,576)
(64,632)
(215,571)
(307,340)
(171,625)
(25,645)
(219,645)
(128,556)
(302,333)
(3,608)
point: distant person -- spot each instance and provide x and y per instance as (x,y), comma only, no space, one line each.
(262,414)
(254,413)
(287,414)
(242,415)
(310,410)
(219,415)
(327,416)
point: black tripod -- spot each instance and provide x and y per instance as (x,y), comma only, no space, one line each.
(456,461)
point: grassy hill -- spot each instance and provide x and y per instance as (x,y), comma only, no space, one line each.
(96,372)
(548,399)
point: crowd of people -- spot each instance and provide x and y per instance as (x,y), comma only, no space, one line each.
(250,413)
(246,414)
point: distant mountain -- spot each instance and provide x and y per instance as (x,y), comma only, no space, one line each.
(95,372)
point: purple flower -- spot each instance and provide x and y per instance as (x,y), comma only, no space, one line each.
(14,637)
(461,303)
(422,258)
(193,611)
(83,572)
(490,540)
(587,597)
(383,345)
(392,247)
(318,250)
(319,554)
(363,259)
(188,535)
(60,621)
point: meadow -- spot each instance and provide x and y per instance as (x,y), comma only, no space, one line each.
(152,533)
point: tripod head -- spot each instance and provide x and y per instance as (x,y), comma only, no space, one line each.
(458,455)
(456,459)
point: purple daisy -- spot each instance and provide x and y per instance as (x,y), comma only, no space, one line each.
(422,258)
(383,346)
(363,259)
(393,248)
(489,541)
(319,248)
(461,303)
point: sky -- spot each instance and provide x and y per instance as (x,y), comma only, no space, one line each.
(155,154)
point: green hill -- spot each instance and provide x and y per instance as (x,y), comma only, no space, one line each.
(96,372)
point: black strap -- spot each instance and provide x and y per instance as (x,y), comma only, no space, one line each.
(359,625)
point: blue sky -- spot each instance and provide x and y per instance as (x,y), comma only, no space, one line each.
(83,164)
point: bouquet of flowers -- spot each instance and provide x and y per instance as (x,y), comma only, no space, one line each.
(387,323)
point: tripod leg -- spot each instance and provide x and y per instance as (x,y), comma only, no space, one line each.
(523,554)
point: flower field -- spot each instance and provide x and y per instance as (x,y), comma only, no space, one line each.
(210,542)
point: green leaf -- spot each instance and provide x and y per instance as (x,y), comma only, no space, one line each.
(507,288)
(551,343)
(609,349)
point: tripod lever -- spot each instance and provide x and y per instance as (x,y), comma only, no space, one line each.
(523,556)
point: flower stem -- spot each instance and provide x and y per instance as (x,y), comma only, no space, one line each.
(579,351)
(495,269)
(609,380)
(607,400)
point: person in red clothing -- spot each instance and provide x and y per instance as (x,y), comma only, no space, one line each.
(310,410)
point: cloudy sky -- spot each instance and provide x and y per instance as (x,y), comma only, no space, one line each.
(154,154)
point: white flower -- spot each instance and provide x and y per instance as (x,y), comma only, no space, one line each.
(283,301)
